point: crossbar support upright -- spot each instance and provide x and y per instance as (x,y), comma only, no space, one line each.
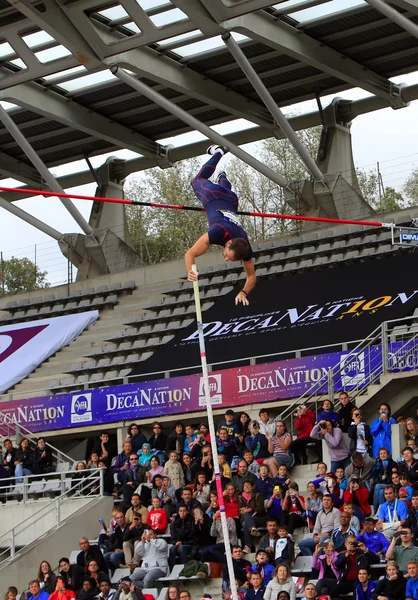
(212,432)
(39,165)
(190,120)
(271,105)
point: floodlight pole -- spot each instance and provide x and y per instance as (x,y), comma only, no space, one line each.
(28,218)
(212,432)
(184,116)
(271,105)
(20,139)
(395,16)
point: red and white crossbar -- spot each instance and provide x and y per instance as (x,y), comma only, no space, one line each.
(193,208)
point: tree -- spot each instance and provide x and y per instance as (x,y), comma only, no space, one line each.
(387,200)
(19,275)
(163,234)
(259,194)
(410,188)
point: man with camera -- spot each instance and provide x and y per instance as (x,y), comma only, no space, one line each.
(334,439)
(154,554)
(348,563)
(127,590)
(131,535)
(405,551)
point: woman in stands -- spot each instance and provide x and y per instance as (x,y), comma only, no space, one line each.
(279,448)
(323,561)
(313,504)
(411,430)
(282,581)
(61,591)
(175,440)
(201,489)
(327,412)
(242,425)
(24,460)
(93,462)
(292,508)
(135,437)
(81,472)
(93,571)
(46,577)
(305,420)
(173,593)
(155,469)
(381,430)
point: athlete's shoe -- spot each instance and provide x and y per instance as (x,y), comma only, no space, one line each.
(221,174)
(214,148)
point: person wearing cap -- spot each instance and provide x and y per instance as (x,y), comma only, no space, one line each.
(229,424)
(405,552)
(328,519)
(373,539)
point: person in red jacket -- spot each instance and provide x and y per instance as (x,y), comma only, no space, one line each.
(157,518)
(358,494)
(62,592)
(305,420)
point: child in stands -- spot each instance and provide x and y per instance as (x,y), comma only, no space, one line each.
(263,566)
(284,548)
(157,518)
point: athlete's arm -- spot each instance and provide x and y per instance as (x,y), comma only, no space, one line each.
(198,248)
(249,282)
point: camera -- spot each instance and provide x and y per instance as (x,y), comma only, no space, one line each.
(291,492)
(354,544)
(323,425)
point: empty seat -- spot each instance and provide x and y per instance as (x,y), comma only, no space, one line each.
(101,289)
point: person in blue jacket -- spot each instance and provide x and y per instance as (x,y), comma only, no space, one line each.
(256,441)
(366,587)
(412,581)
(327,412)
(381,430)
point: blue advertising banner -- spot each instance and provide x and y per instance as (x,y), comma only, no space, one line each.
(228,388)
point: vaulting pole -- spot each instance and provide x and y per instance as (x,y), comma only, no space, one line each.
(194,208)
(40,166)
(228,554)
(194,123)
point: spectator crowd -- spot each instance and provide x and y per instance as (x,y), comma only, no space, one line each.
(356,520)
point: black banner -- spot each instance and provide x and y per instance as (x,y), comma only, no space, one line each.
(313,308)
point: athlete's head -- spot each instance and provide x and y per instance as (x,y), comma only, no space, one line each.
(237,249)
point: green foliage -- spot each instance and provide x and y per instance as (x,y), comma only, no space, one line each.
(19,275)
(164,234)
(410,188)
(388,200)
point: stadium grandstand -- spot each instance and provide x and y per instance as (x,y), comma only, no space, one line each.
(108,474)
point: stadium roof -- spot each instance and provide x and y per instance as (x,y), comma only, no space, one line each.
(56,57)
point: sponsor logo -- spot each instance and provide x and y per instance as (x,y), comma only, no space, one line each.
(353,369)
(409,237)
(12,340)
(81,408)
(215,390)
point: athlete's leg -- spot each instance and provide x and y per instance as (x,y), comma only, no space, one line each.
(224,181)
(208,169)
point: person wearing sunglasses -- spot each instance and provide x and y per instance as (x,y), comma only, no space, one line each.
(361,439)
(134,476)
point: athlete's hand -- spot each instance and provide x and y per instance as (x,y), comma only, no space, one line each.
(192,276)
(241,297)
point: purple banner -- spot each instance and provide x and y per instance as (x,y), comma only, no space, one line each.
(180,395)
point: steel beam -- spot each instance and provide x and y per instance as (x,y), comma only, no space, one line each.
(255,134)
(271,105)
(22,214)
(43,170)
(11,167)
(194,123)
(306,49)
(169,73)
(51,105)
(409,5)
(394,16)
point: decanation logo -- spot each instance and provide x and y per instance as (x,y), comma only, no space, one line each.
(215,390)
(81,408)
(353,369)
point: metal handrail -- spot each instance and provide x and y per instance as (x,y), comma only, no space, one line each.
(324,387)
(97,476)
(17,428)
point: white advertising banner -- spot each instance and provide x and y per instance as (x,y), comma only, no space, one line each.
(24,346)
